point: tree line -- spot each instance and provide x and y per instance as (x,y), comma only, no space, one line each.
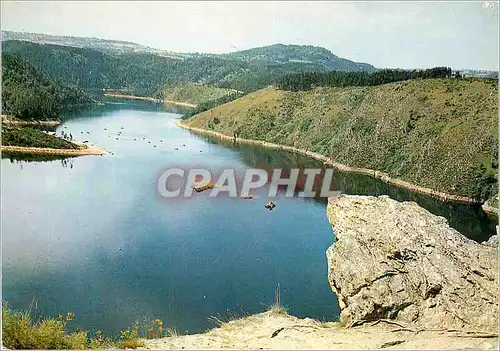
(308,80)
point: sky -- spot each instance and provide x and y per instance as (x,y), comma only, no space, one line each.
(384,34)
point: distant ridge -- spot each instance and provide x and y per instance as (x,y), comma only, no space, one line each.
(281,53)
(81,42)
(95,64)
(277,53)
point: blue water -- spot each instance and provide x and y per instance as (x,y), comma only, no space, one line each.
(91,235)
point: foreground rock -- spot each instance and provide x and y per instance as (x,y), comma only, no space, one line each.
(398,261)
(493,241)
(281,331)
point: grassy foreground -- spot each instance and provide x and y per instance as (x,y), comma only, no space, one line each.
(435,133)
(23,330)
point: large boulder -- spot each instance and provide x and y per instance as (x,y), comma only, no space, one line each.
(395,260)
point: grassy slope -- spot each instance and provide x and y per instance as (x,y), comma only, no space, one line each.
(437,133)
(193,93)
(30,137)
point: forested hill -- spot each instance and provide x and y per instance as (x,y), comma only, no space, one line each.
(146,74)
(280,53)
(30,94)
(436,133)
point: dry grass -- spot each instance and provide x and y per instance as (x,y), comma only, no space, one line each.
(192,93)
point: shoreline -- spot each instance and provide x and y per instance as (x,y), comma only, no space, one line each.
(85,150)
(150,99)
(344,168)
(37,123)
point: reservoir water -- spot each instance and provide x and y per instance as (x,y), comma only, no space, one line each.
(92,236)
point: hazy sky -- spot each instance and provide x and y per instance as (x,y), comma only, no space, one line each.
(385,34)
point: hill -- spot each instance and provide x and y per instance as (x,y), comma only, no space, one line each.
(435,133)
(280,53)
(30,94)
(195,94)
(109,46)
(146,73)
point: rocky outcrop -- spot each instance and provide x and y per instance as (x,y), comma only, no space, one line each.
(491,206)
(398,261)
(493,241)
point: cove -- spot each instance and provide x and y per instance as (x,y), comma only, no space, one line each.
(91,235)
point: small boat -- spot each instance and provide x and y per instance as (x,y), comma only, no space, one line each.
(201,188)
(270,205)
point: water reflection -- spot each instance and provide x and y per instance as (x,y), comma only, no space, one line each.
(468,219)
(22,158)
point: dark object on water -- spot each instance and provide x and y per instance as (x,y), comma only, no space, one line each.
(201,188)
(247,197)
(116,138)
(85,141)
(201,150)
(270,205)
(176,148)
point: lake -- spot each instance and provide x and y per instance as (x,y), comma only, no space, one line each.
(91,235)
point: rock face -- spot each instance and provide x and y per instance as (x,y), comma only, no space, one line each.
(398,261)
(493,241)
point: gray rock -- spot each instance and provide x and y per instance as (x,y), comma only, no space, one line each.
(493,241)
(398,261)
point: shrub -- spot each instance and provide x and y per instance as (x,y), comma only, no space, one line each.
(20,332)
(130,338)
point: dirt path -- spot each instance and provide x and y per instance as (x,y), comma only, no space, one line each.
(256,332)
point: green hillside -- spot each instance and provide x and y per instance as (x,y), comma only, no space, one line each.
(436,133)
(145,74)
(31,137)
(30,94)
(194,93)
(280,53)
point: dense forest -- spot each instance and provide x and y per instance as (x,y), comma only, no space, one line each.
(145,74)
(308,80)
(30,94)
